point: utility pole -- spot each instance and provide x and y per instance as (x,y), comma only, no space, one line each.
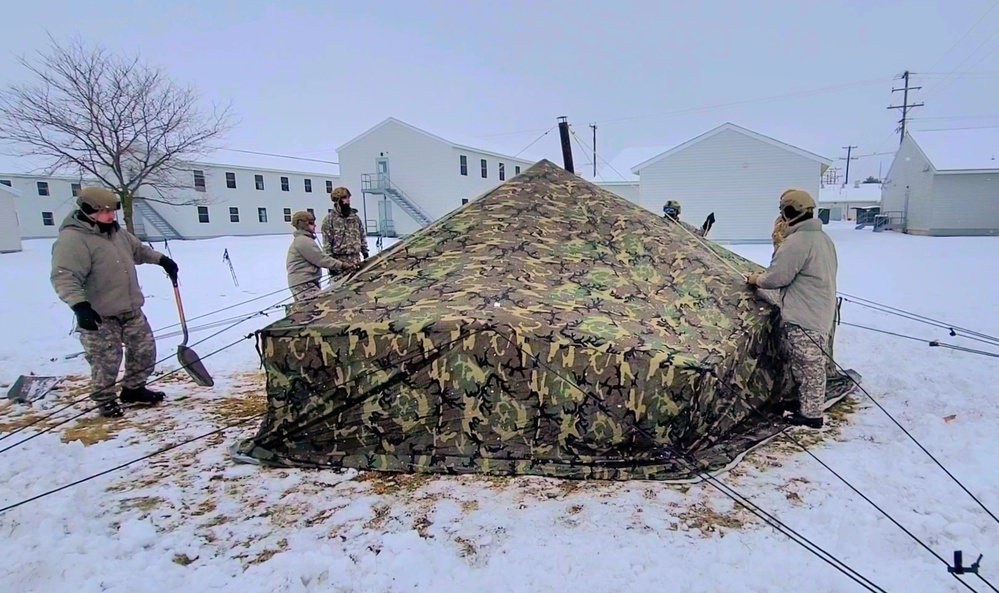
(594,126)
(563,132)
(849,151)
(905,106)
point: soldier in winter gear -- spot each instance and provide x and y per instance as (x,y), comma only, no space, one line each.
(344,237)
(93,271)
(779,232)
(305,260)
(671,212)
(804,270)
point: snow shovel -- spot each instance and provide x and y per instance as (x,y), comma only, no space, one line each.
(187,357)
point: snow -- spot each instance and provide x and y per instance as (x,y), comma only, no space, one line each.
(968,149)
(193,520)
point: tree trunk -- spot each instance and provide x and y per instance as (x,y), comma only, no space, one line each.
(126,207)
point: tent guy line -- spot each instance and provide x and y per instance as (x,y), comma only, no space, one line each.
(730,492)
(154,380)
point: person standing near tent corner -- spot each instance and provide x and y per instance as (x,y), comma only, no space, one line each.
(305,260)
(779,232)
(671,212)
(344,237)
(804,269)
(93,271)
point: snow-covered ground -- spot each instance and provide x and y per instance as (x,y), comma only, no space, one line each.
(193,520)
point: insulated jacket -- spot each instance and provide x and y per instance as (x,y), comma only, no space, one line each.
(305,260)
(88,265)
(804,269)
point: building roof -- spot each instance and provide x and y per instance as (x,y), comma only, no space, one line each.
(726,127)
(960,150)
(453,139)
(864,192)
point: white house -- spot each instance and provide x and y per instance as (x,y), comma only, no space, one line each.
(736,173)
(221,200)
(842,202)
(10,231)
(402,177)
(944,183)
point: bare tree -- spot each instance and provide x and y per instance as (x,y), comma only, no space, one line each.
(96,114)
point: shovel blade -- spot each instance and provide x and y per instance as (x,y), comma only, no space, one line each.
(194,367)
(30,388)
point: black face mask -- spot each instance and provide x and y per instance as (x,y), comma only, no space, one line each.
(344,209)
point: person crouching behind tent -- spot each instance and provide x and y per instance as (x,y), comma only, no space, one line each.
(804,270)
(93,271)
(306,260)
(671,212)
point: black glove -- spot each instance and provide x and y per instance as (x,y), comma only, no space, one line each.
(709,222)
(86,317)
(170,266)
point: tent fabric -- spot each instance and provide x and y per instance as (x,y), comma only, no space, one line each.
(549,328)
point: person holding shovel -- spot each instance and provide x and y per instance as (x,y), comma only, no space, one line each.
(93,271)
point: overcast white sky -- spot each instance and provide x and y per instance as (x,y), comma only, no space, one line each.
(306,76)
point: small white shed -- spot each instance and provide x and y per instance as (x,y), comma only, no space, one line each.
(10,228)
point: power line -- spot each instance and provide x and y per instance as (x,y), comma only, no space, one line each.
(966,33)
(283,156)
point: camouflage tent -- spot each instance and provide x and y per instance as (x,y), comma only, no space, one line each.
(548,327)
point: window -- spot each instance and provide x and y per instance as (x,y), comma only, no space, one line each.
(262,214)
(230,180)
(463,162)
(502,171)
(308,186)
(311,211)
(329,186)
(43,188)
(203,214)
(516,170)
(258,181)
(485,168)
(287,214)
(284,184)
(233,215)
(5,182)
(47,218)
(464,201)
(75,189)
(199,180)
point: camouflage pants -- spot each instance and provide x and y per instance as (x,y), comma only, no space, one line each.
(304,292)
(103,350)
(803,348)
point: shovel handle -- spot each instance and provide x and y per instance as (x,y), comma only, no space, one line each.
(180,310)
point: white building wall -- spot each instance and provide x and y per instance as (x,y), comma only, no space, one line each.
(39,216)
(10,232)
(737,177)
(965,204)
(34,210)
(247,200)
(418,167)
(424,169)
(625,189)
(910,172)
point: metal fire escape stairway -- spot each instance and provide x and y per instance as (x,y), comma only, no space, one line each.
(381,184)
(149,214)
